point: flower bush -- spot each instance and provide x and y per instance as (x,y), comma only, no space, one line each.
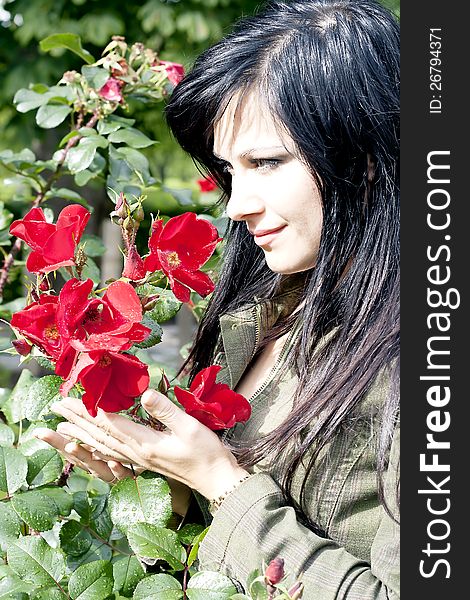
(63,533)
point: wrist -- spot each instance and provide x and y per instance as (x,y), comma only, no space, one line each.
(226,488)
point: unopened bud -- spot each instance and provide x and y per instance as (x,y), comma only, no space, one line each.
(274,571)
(296,591)
(128,224)
(80,258)
(44,286)
(70,76)
(121,206)
(149,302)
(139,214)
(164,384)
(22,347)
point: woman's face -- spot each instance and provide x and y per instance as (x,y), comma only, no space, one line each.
(272,190)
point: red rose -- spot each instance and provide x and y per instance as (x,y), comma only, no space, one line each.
(213,404)
(111,322)
(207,184)
(53,245)
(111,380)
(38,323)
(179,248)
(174,71)
(111,90)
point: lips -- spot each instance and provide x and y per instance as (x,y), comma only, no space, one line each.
(263,237)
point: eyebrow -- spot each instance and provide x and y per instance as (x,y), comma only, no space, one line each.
(252,151)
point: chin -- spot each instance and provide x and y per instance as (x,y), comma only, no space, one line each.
(289,268)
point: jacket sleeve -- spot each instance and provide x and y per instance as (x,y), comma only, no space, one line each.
(254,525)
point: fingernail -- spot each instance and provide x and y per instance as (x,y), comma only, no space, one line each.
(149,398)
(56,407)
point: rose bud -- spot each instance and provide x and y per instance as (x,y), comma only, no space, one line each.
(22,347)
(274,571)
(164,384)
(44,286)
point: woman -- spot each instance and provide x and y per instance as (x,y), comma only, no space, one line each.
(295,114)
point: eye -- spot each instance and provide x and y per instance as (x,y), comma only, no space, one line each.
(265,164)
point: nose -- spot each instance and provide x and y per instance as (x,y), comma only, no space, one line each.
(244,201)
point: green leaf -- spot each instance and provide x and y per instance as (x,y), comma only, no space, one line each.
(92,581)
(96,76)
(132,137)
(184,197)
(143,499)
(210,585)
(7,435)
(155,336)
(27,100)
(113,123)
(36,562)
(94,245)
(81,156)
(71,41)
(60,497)
(101,523)
(190,533)
(51,115)
(13,587)
(167,305)
(40,396)
(49,594)
(94,170)
(36,509)
(195,546)
(13,407)
(13,469)
(44,466)
(151,541)
(127,572)
(135,160)
(10,525)
(74,539)
(158,587)
(98,551)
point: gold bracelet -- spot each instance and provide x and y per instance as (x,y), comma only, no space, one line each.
(215,504)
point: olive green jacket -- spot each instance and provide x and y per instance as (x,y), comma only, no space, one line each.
(359,560)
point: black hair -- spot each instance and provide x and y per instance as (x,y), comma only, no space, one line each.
(328,71)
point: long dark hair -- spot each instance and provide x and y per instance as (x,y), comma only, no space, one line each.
(328,70)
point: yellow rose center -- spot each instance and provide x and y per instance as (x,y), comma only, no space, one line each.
(51,332)
(104,361)
(173,259)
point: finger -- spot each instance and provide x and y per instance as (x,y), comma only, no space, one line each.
(52,438)
(118,470)
(125,431)
(162,408)
(106,444)
(98,468)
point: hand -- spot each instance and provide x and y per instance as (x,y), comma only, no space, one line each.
(84,457)
(186,451)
